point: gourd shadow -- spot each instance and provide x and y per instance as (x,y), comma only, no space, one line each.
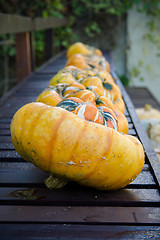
(74,194)
(90,196)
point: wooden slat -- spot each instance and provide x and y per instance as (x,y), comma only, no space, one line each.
(5,132)
(14,24)
(10,23)
(77,231)
(50,22)
(10,172)
(13,104)
(6,146)
(4,154)
(4,125)
(79,214)
(5,120)
(75,195)
(5,139)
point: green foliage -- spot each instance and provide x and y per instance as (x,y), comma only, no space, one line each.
(124,79)
(88,16)
(135,72)
(39,44)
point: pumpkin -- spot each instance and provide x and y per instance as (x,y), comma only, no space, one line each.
(79,61)
(96,90)
(89,112)
(84,110)
(77,48)
(69,104)
(88,62)
(73,149)
(50,97)
(99,62)
(61,77)
(119,104)
(71,89)
(75,90)
(109,116)
(122,120)
(82,48)
(78,100)
(83,73)
(112,90)
(92,81)
(86,96)
(105,76)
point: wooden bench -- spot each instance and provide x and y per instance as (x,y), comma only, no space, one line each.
(73,212)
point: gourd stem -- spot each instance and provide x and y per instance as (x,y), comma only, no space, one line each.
(55,182)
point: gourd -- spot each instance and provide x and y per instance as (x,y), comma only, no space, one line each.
(53,95)
(119,104)
(84,110)
(82,48)
(50,97)
(73,149)
(105,76)
(92,81)
(90,112)
(90,62)
(62,78)
(86,96)
(100,83)
(122,120)
(71,89)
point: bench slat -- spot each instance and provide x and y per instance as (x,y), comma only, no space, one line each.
(79,214)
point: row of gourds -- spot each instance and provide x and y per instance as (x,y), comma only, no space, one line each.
(76,129)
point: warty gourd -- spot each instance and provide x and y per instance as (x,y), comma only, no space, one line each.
(73,149)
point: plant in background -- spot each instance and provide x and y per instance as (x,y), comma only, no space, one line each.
(124,79)
(87,19)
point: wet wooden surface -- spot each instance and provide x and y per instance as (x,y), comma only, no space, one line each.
(74,212)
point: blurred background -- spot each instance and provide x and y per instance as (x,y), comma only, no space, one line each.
(130,29)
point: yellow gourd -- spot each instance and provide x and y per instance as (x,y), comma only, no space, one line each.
(73,149)
(82,48)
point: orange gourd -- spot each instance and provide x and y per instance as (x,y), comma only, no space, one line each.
(122,120)
(86,96)
(50,97)
(84,110)
(61,77)
(73,149)
(71,89)
(82,48)
(89,62)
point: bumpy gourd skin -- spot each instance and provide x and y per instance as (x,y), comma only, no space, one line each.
(49,97)
(65,145)
(90,79)
(88,61)
(82,48)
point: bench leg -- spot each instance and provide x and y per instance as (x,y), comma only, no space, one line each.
(23,55)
